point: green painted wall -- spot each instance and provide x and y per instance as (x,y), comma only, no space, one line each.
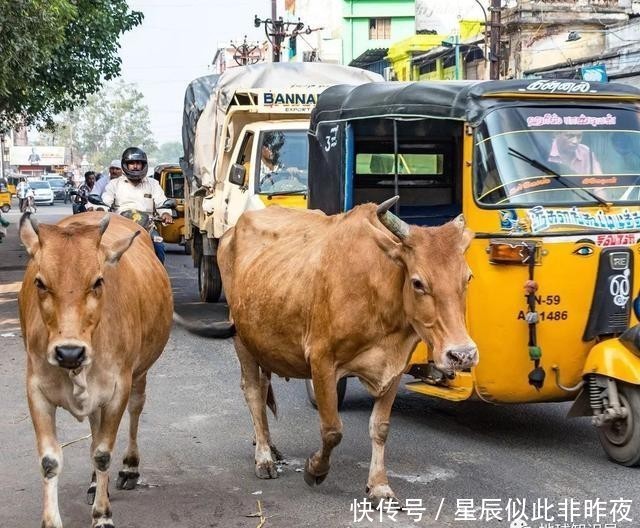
(355,35)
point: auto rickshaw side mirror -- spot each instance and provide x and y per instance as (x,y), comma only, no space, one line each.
(238,174)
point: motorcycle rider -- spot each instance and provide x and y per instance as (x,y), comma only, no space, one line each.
(134,191)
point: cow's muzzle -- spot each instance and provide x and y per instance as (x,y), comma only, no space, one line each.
(461,357)
(70,357)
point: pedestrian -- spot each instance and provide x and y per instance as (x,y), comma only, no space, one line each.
(115,171)
(21,193)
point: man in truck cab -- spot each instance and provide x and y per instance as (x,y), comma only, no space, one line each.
(272,142)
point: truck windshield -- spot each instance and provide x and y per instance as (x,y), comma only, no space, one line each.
(530,156)
(283,162)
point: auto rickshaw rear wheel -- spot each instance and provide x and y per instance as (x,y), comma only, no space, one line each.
(209,279)
(341,388)
(5,208)
(620,438)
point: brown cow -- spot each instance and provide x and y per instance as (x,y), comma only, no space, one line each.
(95,311)
(322,297)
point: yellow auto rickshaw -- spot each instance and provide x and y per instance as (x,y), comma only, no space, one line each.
(5,197)
(547,174)
(170,178)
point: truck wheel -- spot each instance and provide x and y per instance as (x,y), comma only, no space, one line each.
(341,387)
(187,247)
(621,438)
(209,280)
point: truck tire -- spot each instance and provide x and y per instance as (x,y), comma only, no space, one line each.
(187,247)
(209,280)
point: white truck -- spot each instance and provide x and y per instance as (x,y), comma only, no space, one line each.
(245,146)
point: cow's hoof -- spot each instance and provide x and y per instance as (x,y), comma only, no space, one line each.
(91,494)
(127,480)
(50,525)
(108,524)
(310,478)
(381,492)
(277,455)
(266,470)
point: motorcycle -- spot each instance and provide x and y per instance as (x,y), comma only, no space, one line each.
(148,221)
(28,205)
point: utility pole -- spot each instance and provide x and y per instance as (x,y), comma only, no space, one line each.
(277,30)
(494,53)
(2,155)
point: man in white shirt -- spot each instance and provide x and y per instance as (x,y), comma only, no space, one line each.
(21,193)
(115,171)
(134,191)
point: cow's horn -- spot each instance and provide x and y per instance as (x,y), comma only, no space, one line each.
(390,221)
(104,223)
(32,220)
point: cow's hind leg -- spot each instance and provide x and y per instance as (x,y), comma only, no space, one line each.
(129,475)
(377,484)
(256,393)
(43,416)
(324,383)
(106,437)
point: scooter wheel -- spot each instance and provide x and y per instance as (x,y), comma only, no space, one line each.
(620,438)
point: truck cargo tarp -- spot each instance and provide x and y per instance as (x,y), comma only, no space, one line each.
(275,77)
(195,99)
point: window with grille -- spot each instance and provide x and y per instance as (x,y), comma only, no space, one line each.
(379,28)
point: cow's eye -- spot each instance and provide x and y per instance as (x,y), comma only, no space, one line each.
(40,285)
(99,282)
(418,286)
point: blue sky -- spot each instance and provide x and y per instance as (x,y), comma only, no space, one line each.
(175,44)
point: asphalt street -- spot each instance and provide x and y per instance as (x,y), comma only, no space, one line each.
(197,454)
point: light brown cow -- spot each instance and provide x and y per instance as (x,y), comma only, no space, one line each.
(95,311)
(322,297)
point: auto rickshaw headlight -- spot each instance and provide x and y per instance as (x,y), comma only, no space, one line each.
(508,252)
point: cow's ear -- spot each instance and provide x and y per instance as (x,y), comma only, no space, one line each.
(467,234)
(386,243)
(29,234)
(117,249)
(467,237)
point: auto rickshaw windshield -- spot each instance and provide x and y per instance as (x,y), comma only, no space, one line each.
(530,156)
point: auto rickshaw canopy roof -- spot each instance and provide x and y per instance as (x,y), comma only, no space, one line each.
(456,100)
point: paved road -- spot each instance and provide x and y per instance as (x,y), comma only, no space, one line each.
(197,454)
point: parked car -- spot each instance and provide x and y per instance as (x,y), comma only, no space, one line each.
(42,192)
(57,184)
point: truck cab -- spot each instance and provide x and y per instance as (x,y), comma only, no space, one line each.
(269,168)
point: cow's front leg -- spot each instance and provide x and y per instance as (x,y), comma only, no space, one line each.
(324,384)
(377,485)
(109,423)
(43,416)
(130,473)
(255,393)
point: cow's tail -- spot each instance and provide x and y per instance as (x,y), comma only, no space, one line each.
(216,330)
(271,401)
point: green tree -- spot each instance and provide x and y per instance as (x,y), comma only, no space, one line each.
(109,122)
(170,152)
(55,53)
